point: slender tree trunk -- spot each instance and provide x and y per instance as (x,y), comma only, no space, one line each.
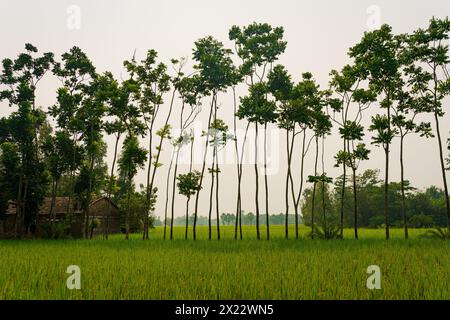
(344,177)
(187,218)
(266,184)
(239,200)
(314,189)
(23,209)
(216,173)
(174,183)
(17,221)
(302,178)
(70,205)
(211,199)
(236,147)
(166,207)
(217,196)
(87,210)
(258,236)
(238,208)
(386,178)
(240,221)
(152,180)
(355,203)
(127,216)
(286,193)
(54,200)
(291,179)
(402,182)
(324,208)
(355,193)
(439,139)
(323,188)
(189,198)
(197,196)
(148,189)
(444,177)
(111,178)
(52,206)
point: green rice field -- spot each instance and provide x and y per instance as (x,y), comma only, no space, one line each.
(227,269)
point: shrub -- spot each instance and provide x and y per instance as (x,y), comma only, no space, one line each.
(438,234)
(376,222)
(421,221)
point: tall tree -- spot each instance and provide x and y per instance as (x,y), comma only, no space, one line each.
(257,109)
(216,73)
(74,72)
(281,86)
(430,53)
(347,86)
(19,79)
(124,116)
(347,112)
(299,116)
(188,89)
(258,45)
(133,157)
(404,120)
(377,56)
(152,83)
(91,119)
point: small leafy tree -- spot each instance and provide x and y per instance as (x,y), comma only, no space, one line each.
(188,185)
(9,174)
(322,127)
(217,136)
(59,151)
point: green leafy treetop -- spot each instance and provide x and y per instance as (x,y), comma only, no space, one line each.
(188,184)
(257,45)
(216,71)
(256,107)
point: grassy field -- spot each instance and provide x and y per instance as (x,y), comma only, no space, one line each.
(227,269)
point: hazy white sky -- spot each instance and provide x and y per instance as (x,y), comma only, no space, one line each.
(318,32)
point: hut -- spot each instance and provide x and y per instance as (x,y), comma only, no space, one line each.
(102,209)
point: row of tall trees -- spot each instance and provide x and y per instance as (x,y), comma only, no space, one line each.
(404,75)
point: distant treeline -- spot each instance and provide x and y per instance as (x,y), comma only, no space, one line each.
(229,219)
(424,208)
